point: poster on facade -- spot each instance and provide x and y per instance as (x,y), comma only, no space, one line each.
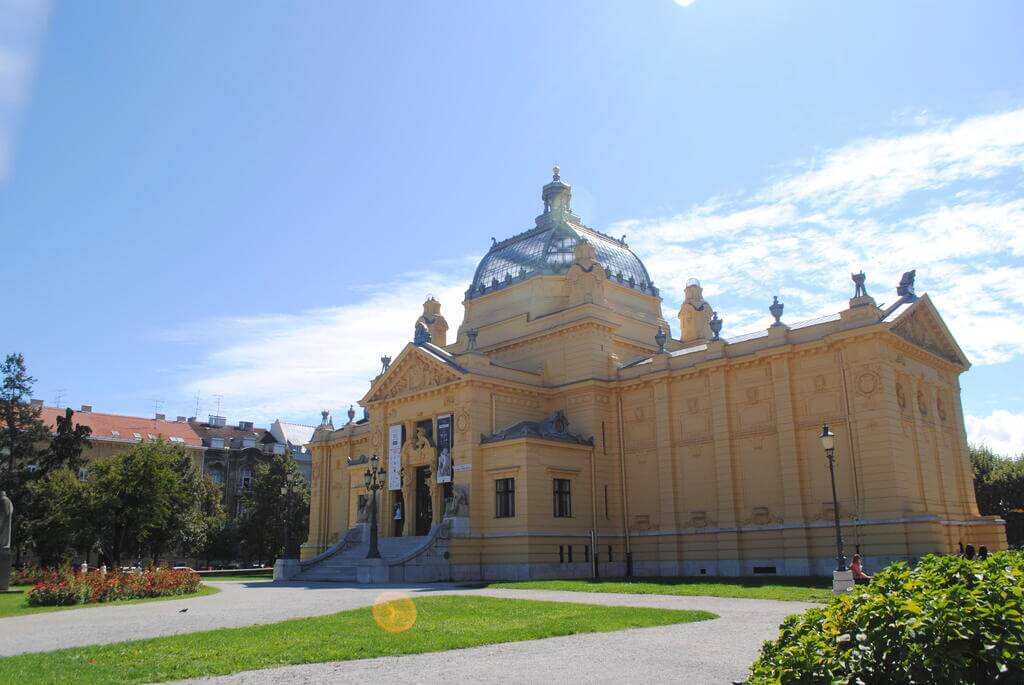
(444,449)
(395,457)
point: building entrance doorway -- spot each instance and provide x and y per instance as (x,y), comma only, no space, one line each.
(424,507)
(398,514)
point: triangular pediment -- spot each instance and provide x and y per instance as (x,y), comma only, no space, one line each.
(922,326)
(415,370)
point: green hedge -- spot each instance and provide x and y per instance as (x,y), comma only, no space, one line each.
(948,620)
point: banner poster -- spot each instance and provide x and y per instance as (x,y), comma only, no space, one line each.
(444,449)
(395,457)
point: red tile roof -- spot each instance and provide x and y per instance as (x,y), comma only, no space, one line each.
(117,428)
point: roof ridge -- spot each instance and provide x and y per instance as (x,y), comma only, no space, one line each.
(120,416)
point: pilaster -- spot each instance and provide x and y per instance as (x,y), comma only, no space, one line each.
(795,539)
(725,472)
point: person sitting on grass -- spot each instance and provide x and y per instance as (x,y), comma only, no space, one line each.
(859,577)
(969,553)
(982,553)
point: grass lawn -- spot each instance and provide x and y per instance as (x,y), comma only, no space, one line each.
(15,605)
(442,623)
(791,589)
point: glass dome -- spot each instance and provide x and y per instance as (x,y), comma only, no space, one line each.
(548,249)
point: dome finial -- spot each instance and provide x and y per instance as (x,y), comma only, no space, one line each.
(554,173)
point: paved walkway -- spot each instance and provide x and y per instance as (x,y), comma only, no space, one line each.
(708,651)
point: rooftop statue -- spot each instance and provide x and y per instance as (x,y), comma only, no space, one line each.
(906,286)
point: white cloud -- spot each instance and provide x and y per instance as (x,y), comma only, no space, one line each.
(22,23)
(876,172)
(292,365)
(947,200)
(1001,431)
(685,3)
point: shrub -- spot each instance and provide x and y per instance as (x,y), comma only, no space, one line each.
(949,620)
(64,586)
(29,575)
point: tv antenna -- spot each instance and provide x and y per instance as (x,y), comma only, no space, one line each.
(157,404)
(196,412)
(59,397)
(219,398)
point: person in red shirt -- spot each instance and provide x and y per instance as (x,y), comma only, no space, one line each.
(859,577)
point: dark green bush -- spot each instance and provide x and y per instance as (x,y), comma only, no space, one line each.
(949,620)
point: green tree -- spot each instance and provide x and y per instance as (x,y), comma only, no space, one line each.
(195,514)
(271,507)
(999,489)
(56,530)
(223,542)
(22,428)
(67,445)
(22,431)
(130,498)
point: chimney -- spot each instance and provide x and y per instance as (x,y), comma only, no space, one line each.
(86,408)
(181,419)
(36,403)
(161,417)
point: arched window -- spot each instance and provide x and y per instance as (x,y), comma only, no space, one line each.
(248,478)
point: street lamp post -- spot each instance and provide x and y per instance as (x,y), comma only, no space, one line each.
(828,441)
(372,479)
(287,490)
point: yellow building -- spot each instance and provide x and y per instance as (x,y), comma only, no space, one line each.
(580,436)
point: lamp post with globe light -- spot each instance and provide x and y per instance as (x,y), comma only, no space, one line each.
(372,480)
(828,441)
(287,490)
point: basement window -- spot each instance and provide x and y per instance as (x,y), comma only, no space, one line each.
(764,570)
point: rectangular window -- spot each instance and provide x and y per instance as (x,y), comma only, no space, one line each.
(570,553)
(561,554)
(586,553)
(609,552)
(563,498)
(504,498)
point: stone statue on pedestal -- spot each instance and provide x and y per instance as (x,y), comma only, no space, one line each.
(6,518)
(458,503)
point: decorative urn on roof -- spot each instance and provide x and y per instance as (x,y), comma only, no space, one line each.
(776,310)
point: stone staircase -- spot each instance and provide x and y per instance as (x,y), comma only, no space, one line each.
(403,559)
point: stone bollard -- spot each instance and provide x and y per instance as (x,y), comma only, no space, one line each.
(85,567)
(842,582)
(103,570)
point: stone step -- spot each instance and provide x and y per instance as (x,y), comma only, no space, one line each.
(341,568)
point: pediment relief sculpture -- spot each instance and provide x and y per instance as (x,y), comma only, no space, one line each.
(922,330)
(412,375)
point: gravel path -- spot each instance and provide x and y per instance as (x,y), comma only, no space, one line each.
(717,651)
(704,652)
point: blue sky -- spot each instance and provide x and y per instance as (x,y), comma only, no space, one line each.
(251,201)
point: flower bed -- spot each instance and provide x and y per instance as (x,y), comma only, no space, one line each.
(63,586)
(30,575)
(949,620)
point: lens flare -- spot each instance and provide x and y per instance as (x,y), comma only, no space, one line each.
(394,612)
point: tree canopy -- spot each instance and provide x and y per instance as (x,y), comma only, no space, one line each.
(269,511)
(999,489)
